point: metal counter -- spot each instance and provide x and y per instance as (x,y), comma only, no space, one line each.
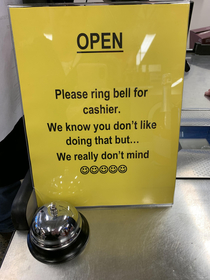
(132,243)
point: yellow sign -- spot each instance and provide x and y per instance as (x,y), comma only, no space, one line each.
(102,90)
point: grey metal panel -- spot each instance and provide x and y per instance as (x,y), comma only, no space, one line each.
(193,163)
(132,243)
(191,143)
(195,118)
(196,82)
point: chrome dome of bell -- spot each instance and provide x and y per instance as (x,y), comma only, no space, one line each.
(58,232)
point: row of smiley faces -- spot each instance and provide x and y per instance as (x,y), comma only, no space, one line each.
(103,169)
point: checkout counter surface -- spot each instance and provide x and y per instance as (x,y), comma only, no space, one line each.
(132,243)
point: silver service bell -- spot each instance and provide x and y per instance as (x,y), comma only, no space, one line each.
(58,233)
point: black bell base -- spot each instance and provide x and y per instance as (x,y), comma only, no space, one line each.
(65,254)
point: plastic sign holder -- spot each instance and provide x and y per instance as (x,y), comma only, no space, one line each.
(101,90)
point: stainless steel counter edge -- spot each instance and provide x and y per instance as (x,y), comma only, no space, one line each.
(132,243)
